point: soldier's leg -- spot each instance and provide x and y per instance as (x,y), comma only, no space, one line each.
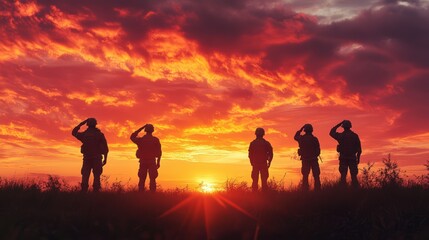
(97,170)
(305,170)
(255,178)
(354,172)
(343,171)
(142,176)
(153,174)
(85,171)
(315,169)
(264,178)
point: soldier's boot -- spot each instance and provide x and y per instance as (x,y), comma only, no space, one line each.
(152,186)
(96,186)
(84,188)
(264,186)
(254,186)
(317,184)
(343,182)
(141,186)
(85,178)
(355,182)
(305,185)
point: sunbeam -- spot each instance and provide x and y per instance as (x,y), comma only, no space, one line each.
(208,203)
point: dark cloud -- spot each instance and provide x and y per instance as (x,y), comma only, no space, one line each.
(234,27)
(400,30)
(411,101)
(313,54)
(364,77)
(367,52)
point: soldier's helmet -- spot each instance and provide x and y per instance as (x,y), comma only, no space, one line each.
(91,122)
(149,128)
(308,128)
(347,124)
(259,132)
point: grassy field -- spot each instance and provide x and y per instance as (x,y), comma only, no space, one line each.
(27,212)
(385,207)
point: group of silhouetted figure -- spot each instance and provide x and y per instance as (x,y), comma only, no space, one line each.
(95,150)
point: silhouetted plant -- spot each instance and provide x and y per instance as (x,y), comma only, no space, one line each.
(426,176)
(423,180)
(368,177)
(117,186)
(390,174)
(277,185)
(14,185)
(53,184)
(233,185)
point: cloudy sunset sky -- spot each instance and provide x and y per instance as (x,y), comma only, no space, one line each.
(206,74)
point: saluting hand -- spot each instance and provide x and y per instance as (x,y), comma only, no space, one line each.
(83,122)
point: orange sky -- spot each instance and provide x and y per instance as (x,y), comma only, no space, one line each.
(206,74)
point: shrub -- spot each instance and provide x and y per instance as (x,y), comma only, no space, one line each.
(368,176)
(390,175)
(277,185)
(54,184)
(233,185)
(423,180)
(117,186)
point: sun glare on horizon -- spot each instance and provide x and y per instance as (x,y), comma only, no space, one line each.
(207,187)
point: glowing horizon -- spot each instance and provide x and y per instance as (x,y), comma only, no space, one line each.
(206,75)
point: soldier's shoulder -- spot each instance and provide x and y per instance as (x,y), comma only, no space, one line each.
(99,132)
(354,133)
(254,141)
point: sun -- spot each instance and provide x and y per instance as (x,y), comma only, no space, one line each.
(207,187)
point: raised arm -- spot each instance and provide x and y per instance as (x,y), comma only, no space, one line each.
(333,133)
(298,134)
(75,130)
(133,136)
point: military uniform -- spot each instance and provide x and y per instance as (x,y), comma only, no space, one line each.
(260,155)
(94,145)
(149,149)
(309,150)
(349,146)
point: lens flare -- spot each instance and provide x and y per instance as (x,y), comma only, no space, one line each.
(207,187)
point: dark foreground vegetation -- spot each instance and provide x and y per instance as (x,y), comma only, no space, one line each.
(388,209)
(334,213)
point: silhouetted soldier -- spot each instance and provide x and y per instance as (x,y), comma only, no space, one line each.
(309,150)
(94,149)
(149,152)
(350,149)
(260,155)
